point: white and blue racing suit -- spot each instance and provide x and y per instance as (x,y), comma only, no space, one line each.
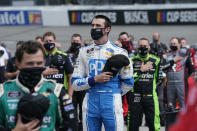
(102,103)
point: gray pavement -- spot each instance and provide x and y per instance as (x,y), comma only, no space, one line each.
(14,33)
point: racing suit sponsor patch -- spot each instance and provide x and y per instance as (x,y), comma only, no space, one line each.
(10,119)
(68,107)
(12,106)
(14,94)
(71,116)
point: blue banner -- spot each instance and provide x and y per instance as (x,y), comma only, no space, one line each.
(20,17)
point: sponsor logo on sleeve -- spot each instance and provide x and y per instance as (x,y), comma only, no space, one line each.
(14,94)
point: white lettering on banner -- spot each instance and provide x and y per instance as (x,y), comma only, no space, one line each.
(181,16)
(172,16)
(86,17)
(136,17)
(7,18)
(188,16)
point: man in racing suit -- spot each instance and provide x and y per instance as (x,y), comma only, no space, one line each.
(60,115)
(102,103)
(176,75)
(59,68)
(143,97)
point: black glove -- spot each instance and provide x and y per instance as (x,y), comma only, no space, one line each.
(33,106)
(115,63)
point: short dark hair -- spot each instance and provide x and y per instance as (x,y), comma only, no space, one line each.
(29,47)
(123,33)
(49,34)
(182,38)
(77,35)
(39,37)
(143,38)
(107,20)
(179,40)
(19,43)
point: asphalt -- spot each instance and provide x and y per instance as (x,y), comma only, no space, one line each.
(12,34)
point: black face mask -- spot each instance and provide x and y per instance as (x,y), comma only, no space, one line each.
(173,48)
(127,45)
(155,40)
(30,77)
(96,33)
(49,46)
(143,51)
(75,47)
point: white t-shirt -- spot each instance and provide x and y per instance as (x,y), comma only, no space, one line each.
(3,57)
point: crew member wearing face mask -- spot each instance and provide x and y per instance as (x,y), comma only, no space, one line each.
(127,44)
(76,43)
(102,102)
(143,97)
(58,65)
(73,51)
(176,85)
(60,115)
(156,40)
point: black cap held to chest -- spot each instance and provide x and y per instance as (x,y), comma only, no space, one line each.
(33,106)
(115,63)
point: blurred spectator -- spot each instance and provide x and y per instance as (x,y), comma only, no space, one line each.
(76,44)
(184,42)
(58,66)
(194,58)
(39,39)
(3,62)
(58,45)
(87,42)
(3,44)
(191,51)
(11,68)
(127,44)
(118,43)
(131,38)
(156,40)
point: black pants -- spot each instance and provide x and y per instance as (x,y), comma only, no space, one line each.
(77,101)
(140,104)
(2,73)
